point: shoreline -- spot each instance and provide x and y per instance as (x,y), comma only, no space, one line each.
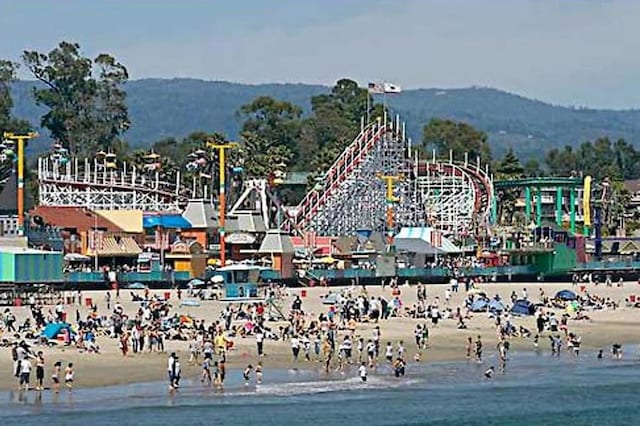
(446,343)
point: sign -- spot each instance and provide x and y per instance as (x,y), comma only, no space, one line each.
(240,238)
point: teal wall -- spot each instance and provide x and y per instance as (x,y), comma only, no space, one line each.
(7,272)
(38,267)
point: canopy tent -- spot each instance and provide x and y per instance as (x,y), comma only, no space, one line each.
(424,241)
(566,295)
(523,307)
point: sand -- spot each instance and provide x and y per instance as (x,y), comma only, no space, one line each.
(446,342)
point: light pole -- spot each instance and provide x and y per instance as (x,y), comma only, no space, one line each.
(20,139)
(95,241)
(222,200)
(391,200)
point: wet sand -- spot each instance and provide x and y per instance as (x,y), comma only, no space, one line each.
(445,342)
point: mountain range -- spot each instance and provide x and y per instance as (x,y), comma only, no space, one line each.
(161,108)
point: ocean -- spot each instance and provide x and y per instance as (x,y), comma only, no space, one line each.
(535,390)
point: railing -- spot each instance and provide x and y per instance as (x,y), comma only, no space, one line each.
(332,274)
(605,266)
(339,171)
(129,277)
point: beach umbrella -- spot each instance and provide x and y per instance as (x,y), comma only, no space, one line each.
(196,282)
(136,286)
(217,279)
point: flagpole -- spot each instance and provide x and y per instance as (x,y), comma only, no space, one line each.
(368,107)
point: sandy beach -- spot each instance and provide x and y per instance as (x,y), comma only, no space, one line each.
(446,342)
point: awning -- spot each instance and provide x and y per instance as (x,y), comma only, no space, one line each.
(117,246)
(129,221)
(174,221)
(424,241)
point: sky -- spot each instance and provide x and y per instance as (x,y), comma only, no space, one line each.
(568,52)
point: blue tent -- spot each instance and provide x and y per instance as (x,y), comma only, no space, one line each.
(54,328)
(479,305)
(523,307)
(496,306)
(566,295)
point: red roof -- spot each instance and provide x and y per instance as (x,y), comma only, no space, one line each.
(77,218)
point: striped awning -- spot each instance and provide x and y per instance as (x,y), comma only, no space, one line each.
(117,246)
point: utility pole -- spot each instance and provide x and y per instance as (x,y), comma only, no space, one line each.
(222,200)
(391,200)
(20,139)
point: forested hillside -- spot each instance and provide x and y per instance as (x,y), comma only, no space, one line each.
(161,108)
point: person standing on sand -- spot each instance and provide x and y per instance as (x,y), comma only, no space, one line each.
(469,347)
(259,341)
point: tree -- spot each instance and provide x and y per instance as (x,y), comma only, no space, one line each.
(509,167)
(456,137)
(8,123)
(335,122)
(532,168)
(270,132)
(87,108)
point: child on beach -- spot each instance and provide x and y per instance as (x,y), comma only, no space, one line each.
(489,373)
(247,374)
(363,372)
(25,373)
(55,376)
(68,377)
(259,373)
(206,372)
(40,371)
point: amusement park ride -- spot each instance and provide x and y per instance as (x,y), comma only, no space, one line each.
(378,183)
(106,183)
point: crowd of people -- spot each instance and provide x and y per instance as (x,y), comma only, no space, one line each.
(345,336)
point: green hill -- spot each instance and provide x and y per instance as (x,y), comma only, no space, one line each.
(162,108)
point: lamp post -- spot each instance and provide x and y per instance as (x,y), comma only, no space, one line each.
(222,200)
(20,139)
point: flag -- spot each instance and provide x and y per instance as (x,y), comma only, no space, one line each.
(435,238)
(375,88)
(391,88)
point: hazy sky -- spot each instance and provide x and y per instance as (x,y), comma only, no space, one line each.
(564,51)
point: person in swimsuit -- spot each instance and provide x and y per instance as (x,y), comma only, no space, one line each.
(259,373)
(68,377)
(55,376)
(40,371)
(206,372)
(247,374)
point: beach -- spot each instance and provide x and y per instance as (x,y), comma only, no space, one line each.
(446,342)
